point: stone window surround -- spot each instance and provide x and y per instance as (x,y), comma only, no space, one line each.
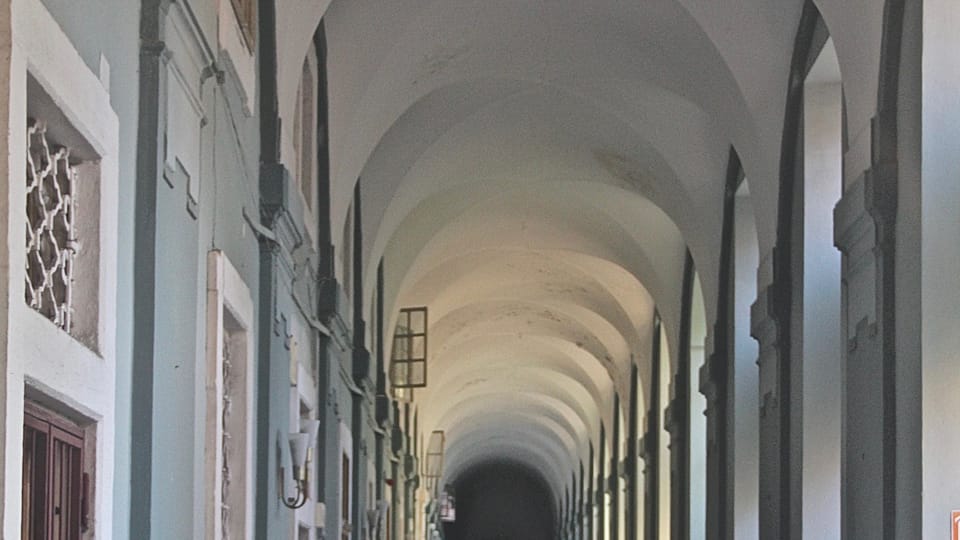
(227,293)
(38,357)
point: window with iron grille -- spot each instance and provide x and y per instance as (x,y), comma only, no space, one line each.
(408,359)
(62,209)
(55,485)
(226,423)
(246,11)
(51,238)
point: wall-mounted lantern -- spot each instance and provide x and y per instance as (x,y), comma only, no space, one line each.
(301,456)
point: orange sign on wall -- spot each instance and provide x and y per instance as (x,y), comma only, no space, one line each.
(955,525)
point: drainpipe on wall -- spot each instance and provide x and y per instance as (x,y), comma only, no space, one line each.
(149,135)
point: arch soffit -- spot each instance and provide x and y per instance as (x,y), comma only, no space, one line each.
(639,239)
(442,42)
(857,50)
(569,409)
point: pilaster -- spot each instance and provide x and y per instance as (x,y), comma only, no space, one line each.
(714,385)
(864,224)
(601,526)
(781,407)
(613,481)
(649,450)
(677,424)
(632,457)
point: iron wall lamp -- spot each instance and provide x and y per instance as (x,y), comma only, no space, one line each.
(301,456)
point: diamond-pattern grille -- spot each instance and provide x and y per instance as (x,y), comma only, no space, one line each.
(226,450)
(51,239)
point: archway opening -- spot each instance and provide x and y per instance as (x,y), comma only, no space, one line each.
(504,500)
(821,343)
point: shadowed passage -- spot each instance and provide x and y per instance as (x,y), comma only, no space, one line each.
(501,500)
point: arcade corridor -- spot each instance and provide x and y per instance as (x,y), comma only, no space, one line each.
(464,270)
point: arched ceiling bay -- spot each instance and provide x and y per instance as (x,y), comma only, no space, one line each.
(533,172)
(531,134)
(538,306)
(537,218)
(386,59)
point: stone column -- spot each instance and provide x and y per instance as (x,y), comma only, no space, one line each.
(588,500)
(716,377)
(581,512)
(864,222)
(651,510)
(601,526)
(677,420)
(632,455)
(650,444)
(781,412)
(613,481)
(677,415)
(714,385)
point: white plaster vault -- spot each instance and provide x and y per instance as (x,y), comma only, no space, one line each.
(533,173)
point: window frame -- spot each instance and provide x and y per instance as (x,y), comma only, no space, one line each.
(406,334)
(246,14)
(305,134)
(57,430)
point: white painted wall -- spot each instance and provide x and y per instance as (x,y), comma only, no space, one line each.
(746,415)
(941,261)
(36,353)
(822,344)
(666,375)
(698,420)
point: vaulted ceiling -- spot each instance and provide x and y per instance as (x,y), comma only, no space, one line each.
(534,172)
